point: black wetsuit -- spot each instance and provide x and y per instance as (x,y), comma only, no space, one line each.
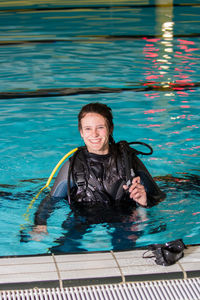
(101,189)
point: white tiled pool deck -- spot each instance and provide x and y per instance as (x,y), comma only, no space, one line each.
(92,268)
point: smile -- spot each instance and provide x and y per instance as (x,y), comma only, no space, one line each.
(95,141)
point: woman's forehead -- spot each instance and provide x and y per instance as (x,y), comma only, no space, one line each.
(93,118)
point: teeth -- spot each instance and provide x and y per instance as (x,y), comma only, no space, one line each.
(95,141)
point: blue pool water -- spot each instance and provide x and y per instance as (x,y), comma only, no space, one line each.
(147,72)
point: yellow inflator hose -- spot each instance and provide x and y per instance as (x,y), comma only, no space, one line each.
(26,215)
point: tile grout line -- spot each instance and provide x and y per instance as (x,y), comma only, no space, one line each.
(58,271)
(182,269)
(120,270)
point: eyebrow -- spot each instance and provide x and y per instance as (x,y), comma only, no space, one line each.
(102,124)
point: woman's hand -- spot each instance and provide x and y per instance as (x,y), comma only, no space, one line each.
(137,191)
(40,228)
(38,232)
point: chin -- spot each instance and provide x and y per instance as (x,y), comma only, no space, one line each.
(95,147)
(95,150)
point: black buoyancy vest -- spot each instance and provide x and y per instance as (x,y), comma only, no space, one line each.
(100,178)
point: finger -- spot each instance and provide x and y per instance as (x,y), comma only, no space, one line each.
(134,186)
(137,192)
(136,180)
(137,196)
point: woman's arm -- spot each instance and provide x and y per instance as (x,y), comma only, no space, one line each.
(59,191)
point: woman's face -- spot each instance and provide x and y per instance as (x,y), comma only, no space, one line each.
(95,133)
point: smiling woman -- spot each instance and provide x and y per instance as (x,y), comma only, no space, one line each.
(102,176)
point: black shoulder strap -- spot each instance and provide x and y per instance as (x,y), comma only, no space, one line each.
(127,153)
(80,164)
(82,175)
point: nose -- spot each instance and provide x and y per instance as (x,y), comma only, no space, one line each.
(94,132)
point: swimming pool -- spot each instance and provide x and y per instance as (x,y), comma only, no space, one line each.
(55,61)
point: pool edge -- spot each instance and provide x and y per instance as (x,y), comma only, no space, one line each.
(70,270)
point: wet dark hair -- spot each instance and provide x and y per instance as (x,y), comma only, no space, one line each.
(98,108)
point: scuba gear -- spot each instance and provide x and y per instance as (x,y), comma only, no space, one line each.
(167,254)
(94,184)
(141,152)
(92,176)
(90,180)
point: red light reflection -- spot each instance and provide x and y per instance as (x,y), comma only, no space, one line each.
(162,72)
